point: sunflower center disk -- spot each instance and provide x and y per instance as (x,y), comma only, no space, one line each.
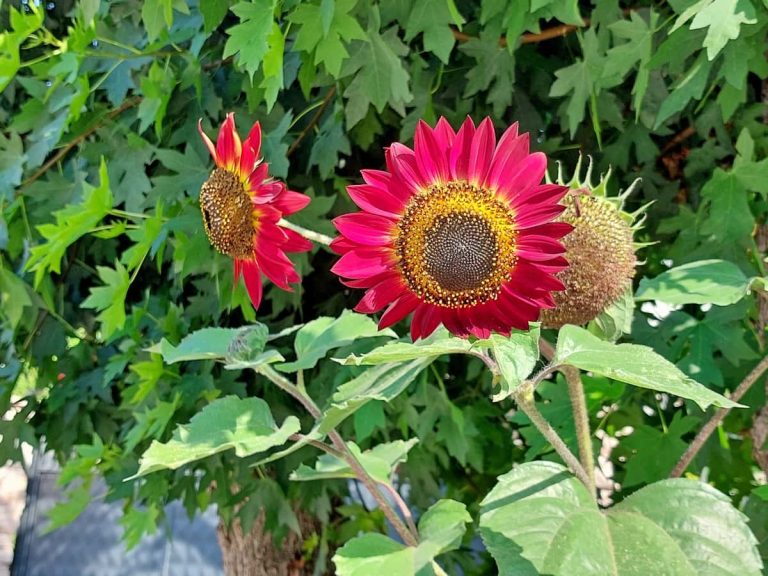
(228,214)
(456,245)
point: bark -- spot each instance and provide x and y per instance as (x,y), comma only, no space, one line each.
(254,554)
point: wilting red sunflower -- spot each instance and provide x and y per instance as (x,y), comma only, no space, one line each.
(242,207)
(458,231)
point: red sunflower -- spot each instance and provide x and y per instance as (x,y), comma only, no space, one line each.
(458,231)
(242,207)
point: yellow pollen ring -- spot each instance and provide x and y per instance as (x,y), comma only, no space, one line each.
(456,244)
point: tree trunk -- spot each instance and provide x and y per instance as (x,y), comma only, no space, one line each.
(254,554)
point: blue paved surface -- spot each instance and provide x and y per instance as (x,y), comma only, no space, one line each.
(92,546)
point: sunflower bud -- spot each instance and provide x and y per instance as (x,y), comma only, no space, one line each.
(600,252)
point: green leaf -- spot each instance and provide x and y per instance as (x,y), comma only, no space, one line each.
(374,554)
(726,195)
(327,146)
(691,85)
(716,282)
(368,418)
(433,19)
(540,519)
(12,159)
(752,175)
(578,81)
(145,237)
(157,87)
(250,39)
(72,222)
(272,66)
(245,424)
(214,343)
(723,20)
(23,24)
(655,452)
(384,382)
(109,299)
(157,16)
(633,364)
(380,462)
(329,44)
(441,529)
(213,12)
(381,78)
(699,519)
(635,53)
(452,431)
(67,511)
(616,320)
(137,523)
(316,338)
(494,69)
(439,343)
(14,298)
(516,356)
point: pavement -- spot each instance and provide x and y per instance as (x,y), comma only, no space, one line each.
(92,544)
(13,491)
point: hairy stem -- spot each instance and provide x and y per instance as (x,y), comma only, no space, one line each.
(716,420)
(404,510)
(523,396)
(362,474)
(308,234)
(580,413)
(344,452)
(526,404)
(581,419)
(287,386)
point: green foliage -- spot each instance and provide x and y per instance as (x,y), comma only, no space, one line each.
(441,528)
(123,334)
(539,519)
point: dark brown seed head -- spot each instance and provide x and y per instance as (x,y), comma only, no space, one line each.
(601,258)
(227,214)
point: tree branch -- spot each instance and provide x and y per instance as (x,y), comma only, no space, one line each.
(63,151)
(717,418)
(315,119)
(546,34)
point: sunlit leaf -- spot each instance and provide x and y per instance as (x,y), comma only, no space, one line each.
(633,364)
(243,424)
(540,519)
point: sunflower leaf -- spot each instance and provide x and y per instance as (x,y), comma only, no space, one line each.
(315,339)
(243,424)
(633,364)
(539,519)
(716,282)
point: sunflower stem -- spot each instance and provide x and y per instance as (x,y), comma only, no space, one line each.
(581,420)
(308,234)
(410,538)
(362,474)
(526,404)
(580,413)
